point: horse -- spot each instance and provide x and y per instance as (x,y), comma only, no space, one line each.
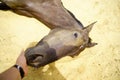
(68,36)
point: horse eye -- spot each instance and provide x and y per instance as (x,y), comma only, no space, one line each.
(76,35)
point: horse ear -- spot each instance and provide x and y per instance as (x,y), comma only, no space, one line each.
(89,27)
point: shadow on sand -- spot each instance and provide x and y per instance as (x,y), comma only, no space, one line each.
(49,72)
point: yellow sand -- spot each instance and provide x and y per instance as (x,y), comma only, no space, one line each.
(101,62)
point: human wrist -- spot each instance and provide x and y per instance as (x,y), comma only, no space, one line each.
(24,67)
(20,69)
(21,60)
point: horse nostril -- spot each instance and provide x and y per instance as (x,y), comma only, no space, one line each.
(36,57)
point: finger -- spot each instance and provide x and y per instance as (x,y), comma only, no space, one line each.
(22,53)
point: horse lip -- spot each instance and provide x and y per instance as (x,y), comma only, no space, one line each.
(28,51)
(35,65)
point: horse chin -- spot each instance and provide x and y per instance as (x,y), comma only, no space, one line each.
(35,64)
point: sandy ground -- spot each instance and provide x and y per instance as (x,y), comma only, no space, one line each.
(101,62)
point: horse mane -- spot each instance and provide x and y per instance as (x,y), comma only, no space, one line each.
(75,18)
(3,6)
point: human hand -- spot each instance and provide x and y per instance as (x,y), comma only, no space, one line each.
(21,61)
